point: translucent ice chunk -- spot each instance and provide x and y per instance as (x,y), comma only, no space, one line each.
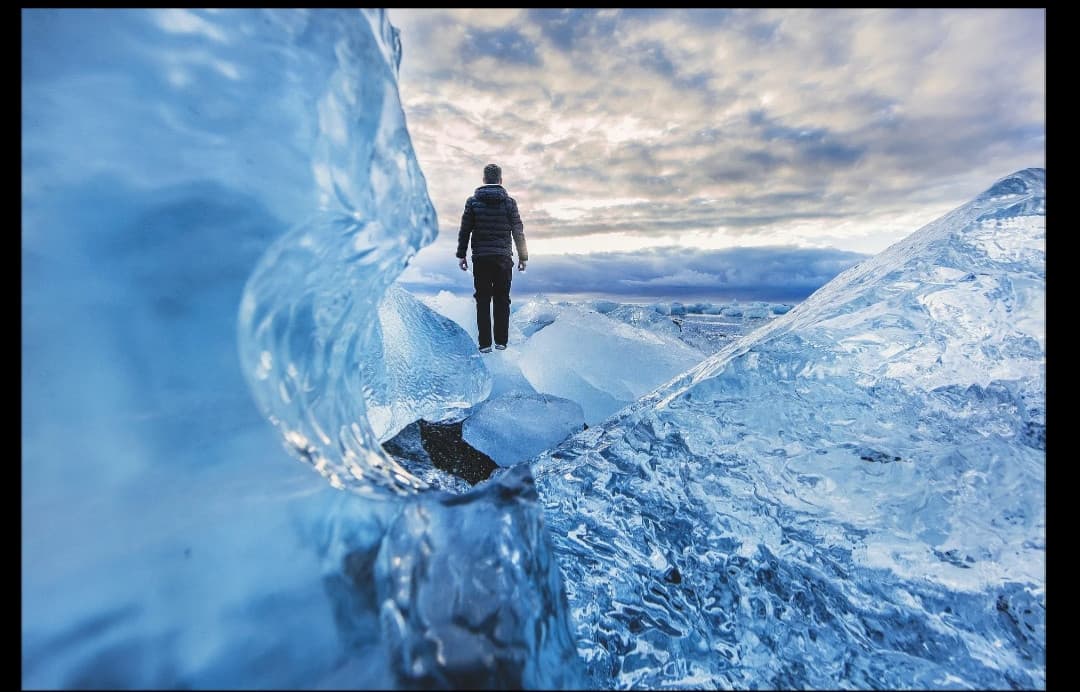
(515,427)
(429,369)
(470,596)
(601,363)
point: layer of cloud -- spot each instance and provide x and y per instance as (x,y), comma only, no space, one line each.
(782,274)
(776,126)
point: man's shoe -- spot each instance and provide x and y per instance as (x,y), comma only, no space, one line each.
(486,349)
(500,347)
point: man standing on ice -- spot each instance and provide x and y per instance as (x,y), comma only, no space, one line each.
(491,218)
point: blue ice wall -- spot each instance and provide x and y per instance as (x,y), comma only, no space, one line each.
(164,151)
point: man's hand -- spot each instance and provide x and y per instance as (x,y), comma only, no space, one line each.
(521,265)
(463,263)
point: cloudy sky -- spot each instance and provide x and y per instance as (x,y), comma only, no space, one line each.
(715,152)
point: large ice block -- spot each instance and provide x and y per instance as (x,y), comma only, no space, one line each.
(852,495)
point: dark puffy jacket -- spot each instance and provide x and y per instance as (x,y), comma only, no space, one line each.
(491,218)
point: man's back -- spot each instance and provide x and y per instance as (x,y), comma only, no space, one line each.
(491,220)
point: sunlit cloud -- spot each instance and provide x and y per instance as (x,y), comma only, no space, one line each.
(625,130)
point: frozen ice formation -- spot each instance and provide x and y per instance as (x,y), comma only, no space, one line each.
(428,369)
(515,427)
(470,593)
(601,363)
(851,496)
(181,166)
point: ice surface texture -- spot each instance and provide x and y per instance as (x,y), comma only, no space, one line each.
(167,540)
(601,363)
(180,168)
(516,426)
(568,351)
(854,496)
(307,328)
(470,594)
(429,367)
(851,496)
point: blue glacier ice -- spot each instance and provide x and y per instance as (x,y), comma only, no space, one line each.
(705,326)
(534,316)
(564,350)
(470,595)
(515,426)
(851,496)
(216,204)
(428,367)
(162,525)
(651,317)
(572,357)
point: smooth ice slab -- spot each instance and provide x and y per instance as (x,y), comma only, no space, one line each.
(601,363)
(516,427)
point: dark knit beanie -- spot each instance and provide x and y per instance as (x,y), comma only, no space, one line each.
(492,174)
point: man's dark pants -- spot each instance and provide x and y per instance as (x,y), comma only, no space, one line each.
(491,278)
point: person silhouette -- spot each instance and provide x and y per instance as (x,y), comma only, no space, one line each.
(490,220)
